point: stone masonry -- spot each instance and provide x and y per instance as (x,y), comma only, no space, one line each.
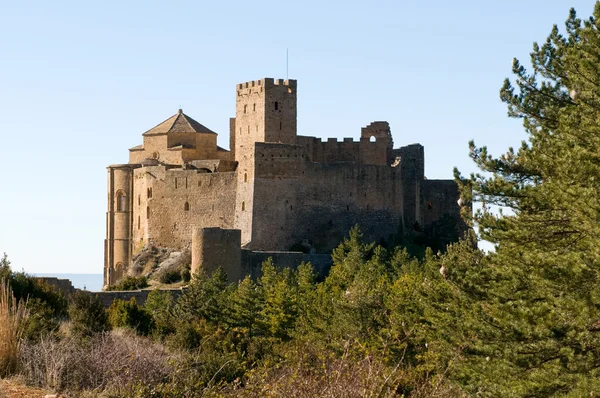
(281,190)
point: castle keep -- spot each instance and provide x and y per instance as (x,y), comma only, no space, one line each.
(281,190)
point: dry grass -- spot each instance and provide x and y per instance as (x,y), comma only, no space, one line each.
(105,363)
(339,378)
(13,315)
(16,388)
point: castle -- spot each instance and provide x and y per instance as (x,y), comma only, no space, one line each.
(274,190)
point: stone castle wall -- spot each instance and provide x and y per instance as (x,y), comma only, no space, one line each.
(279,189)
(216,247)
(170,203)
(440,198)
(320,202)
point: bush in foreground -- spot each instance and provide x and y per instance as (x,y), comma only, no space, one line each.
(128,314)
(106,363)
(87,314)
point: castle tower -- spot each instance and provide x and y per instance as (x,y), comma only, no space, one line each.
(118,222)
(412,169)
(265,112)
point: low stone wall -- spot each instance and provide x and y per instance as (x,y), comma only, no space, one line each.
(62,285)
(252,261)
(140,296)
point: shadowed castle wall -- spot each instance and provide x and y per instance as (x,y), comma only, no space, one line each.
(295,199)
(440,198)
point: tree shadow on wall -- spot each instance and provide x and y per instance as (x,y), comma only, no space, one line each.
(437,236)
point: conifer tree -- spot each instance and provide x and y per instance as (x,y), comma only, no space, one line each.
(245,305)
(278,313)
(539,295)
(204,299)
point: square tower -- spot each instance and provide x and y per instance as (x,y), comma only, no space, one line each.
(265,111)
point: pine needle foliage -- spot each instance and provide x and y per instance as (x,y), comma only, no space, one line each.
(540,309)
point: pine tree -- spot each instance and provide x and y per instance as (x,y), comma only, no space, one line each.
(540,308)
(245,305)
(205,299)
(279,311)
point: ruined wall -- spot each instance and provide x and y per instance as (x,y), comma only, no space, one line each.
(215,247)
(170,203)
(296,200)
(64,286)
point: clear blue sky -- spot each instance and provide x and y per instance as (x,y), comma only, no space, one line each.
(81,81)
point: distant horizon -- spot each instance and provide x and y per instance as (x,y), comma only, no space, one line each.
(64,273)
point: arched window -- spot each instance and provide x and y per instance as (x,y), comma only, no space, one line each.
(276,105)
(245,177)
(119,269)
(372,139)
(243,206)
(139,200)
(149,192)
(245,106)
(147,212)
(254,108)
(121,201)
(186,206)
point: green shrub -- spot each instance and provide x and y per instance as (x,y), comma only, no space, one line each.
(186,273)
(160,306)
(41,320)
(169,276)
(128,314)
(129,283)
(87,314)
(186,337)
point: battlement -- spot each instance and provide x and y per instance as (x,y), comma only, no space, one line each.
(267,82)
(334,140)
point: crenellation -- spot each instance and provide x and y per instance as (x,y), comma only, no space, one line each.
(272,191)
